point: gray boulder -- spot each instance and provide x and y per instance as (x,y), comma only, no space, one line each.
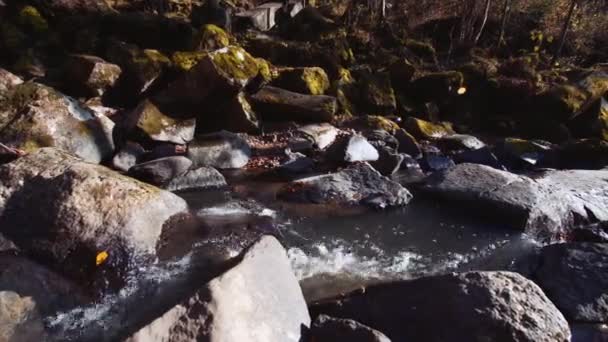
(81,209)
(19,319)
(329,329)
(128,156)
(257,300)
(575,278)
(161,171)
(351,149)
(549,204)
(200,178)
(34,116)
(475,306)
(358,184)
(222,150)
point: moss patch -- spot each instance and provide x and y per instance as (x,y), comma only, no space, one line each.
(185,60)
(235,63)
(422,129)
(211,37)
(32,20)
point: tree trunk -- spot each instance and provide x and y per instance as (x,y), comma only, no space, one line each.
(484,21)
(383,9)
(562,38)
(503,23)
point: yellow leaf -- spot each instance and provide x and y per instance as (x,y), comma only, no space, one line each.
(101,257)
(462,90)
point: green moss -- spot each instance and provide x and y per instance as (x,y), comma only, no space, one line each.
(427,130)
(185,60)
(380,122)
(235,62)
(211,37)
(316,80)
(30,18)
(266,69)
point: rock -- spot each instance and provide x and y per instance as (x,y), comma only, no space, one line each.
(211,38)
(295,163)
(427,130)
(8,81)
(149,120)
(548,205)
(19,319)
(304,80)
(322,135)
(377,94)
(380,137)
(161,171)
(222,150)
(163,150)
(483,156)
(425,51)
(81,209)
(308,25)
(51,292)
(439,85)
(351,149)
(220,75)
(90,76)
(277,104)
(329,329)
(358,184)
(263,17)
(401,72)
(461,142)
(591,154)
(474,306)
(259,299)
(519,153)
(389,161)
(407,143)
(436,161)
(7,245)
(236,115)
(372,122)
(36,116)
(128,156)
(214,13)
(574,276)
(142,70)
(8,154)
(595,232)
(201,178)
(589,332)
(592,122)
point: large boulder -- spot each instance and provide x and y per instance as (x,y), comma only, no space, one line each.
(219,76)
(82,210)
(575,278)
(329,329)
(157,126)
(34,116)
(258,300)
(475,306)
(277,104)
(358,184)
(19,319)
(222,150)
(549,204)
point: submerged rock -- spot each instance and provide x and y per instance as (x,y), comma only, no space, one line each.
(575,277)
(34,116)
(161,171)
(549,204)
(329,329)
(222,150)
(82,209)
(277,104)
(358,184)
(197,179)
(474,306)
(259,299)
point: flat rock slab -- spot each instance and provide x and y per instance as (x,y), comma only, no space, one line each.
(575,277)
(474,306)
(81,209)
(276,104)
(549,204)
(258,300)
(358,184)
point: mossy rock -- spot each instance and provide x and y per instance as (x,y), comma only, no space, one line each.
(30,19)
(307,80)
(235,63)
(186,60)
(562,102)
(160,127)
(426,130)
(371,122)
(211,37)
(377,94)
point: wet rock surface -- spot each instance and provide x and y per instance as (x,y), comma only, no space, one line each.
(500,306)
(326,329)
